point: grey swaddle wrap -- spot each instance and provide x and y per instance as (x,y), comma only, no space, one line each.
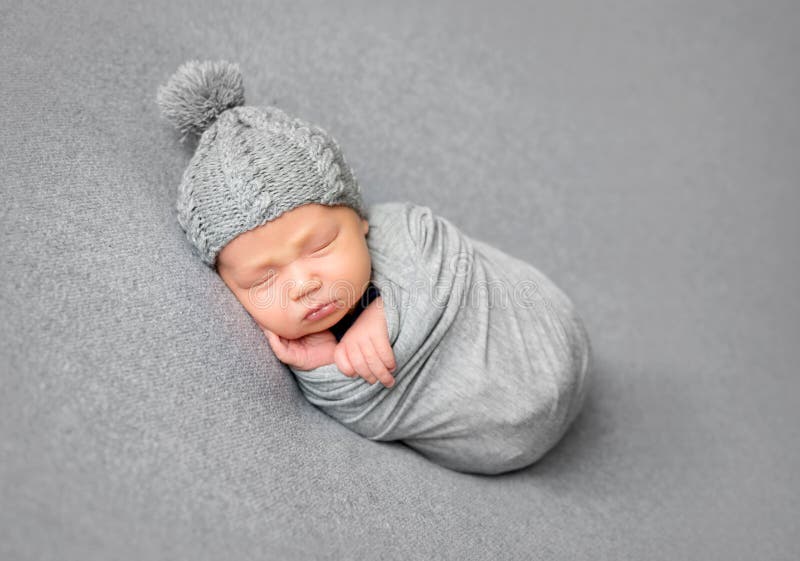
(491,356)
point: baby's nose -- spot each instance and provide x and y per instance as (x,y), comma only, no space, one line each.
(305,288)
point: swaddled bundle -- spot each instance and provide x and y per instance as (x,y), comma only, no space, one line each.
(491,355)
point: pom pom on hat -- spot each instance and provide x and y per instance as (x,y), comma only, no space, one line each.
(198,92)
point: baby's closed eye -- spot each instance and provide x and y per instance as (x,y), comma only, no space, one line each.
(324,247)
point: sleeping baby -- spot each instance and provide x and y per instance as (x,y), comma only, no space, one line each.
(393,321)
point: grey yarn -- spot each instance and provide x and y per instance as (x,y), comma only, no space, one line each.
(251,164)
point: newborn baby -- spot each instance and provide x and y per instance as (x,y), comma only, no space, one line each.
(393,321)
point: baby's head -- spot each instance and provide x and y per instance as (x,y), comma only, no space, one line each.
(268,201)
(285,269)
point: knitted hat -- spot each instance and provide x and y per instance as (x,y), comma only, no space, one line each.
(251,164)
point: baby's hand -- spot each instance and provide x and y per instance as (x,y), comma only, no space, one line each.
(306,353)
(365,350)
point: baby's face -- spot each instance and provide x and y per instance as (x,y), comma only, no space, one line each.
(311,255)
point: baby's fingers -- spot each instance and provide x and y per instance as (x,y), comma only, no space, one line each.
(350,361)
(375,364)
(343,361)
(278,344)
(384,350)
(359,363)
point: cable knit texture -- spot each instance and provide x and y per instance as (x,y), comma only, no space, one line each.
(251,164)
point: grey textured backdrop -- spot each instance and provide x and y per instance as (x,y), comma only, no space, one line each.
(644,155)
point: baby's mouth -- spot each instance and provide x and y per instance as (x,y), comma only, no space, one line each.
(321,310)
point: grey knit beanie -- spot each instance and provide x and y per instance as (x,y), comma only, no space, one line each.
(251,164)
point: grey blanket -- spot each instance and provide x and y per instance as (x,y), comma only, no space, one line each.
(491,355)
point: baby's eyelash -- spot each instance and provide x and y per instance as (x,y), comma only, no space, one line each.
(274,272)
(267,277)
(324,246)
(265,281)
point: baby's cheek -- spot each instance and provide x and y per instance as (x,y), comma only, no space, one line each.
(265,313)
(358,271)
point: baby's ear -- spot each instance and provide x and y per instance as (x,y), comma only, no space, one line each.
(365,225)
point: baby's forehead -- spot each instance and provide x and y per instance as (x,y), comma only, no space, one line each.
(303,222)
(314,220)
(332,215)
(329,213)
(308,229)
